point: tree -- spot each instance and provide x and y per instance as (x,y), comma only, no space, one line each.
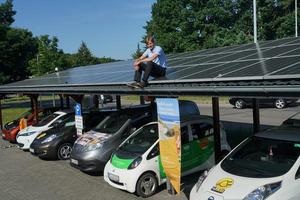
(84,56)
(186,25)
(7,13)
(137,53)
(17,46)
(48,57)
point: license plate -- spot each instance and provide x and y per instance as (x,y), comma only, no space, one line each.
(113,177)
(74,161)
(31,150)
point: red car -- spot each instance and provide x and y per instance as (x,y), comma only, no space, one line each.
(11,129)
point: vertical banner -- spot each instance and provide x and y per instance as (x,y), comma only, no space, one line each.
(169,139)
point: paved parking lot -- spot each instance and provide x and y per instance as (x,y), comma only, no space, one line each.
(25,177)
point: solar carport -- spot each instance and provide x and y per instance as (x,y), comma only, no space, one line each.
(266,69)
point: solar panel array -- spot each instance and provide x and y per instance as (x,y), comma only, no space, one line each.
(265,59)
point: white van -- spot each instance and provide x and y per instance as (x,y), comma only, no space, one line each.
(136,166)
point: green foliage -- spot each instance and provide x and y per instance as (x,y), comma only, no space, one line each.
(138,53)
(48,57)
(84,56)
(186,25)
(17,48)
(7,13)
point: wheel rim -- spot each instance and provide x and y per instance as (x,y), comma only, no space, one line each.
(279,103)
(148,185)
(65,152)
(239,104)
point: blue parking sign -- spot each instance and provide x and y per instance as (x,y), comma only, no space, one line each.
(78,109)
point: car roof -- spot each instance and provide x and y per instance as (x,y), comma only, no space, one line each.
(196,118)
(66,111)
(281,133)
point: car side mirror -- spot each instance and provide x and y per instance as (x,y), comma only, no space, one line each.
(132,130)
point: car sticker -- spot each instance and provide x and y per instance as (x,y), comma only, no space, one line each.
(222,185)
(297,145)
(92,137)
(41,135)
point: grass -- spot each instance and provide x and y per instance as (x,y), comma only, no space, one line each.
(197,99)
(10,114)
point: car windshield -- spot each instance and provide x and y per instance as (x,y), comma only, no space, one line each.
(47,119)
(142,140)
(111,124)
(262,158)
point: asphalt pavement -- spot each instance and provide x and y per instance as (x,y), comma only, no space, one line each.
(25,177)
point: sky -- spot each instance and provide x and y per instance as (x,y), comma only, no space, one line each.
(110,28)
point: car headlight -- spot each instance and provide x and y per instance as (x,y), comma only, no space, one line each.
(263,192)
(49,139)
(28,133)
(93,146)
(201,179)
(135,163)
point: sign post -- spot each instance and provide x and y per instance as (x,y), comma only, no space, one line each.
(78,119)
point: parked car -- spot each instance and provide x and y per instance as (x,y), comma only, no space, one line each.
(278,103)
(11,129)
(134,166)
(58,141)
(93,149)
(264,166)
(107,98)
(26,136)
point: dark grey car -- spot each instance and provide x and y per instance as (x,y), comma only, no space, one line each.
(278,103)
(93,149)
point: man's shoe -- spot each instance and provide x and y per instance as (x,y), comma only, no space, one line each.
(142,84)
(133,85)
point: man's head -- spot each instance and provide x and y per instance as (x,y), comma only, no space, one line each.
(150,42)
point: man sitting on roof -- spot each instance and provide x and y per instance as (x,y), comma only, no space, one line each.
(153,62)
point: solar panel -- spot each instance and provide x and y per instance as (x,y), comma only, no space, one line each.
(265,59)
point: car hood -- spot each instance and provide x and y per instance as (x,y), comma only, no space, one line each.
(92,137)
(31,129)
(223,185)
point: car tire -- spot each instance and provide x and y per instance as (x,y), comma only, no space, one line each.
(240,104)
(280,103)
(146,185)
(64,151)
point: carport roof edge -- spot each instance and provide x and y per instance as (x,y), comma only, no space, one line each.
(270,68)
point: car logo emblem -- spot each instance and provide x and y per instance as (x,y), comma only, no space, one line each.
(211,198)
(222,185)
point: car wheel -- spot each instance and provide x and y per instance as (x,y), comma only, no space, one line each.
(64,151)
(240,104)
(146,185)
(280,103)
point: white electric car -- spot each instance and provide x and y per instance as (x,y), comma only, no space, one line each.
(136,165)
(264,166)
(26,136)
